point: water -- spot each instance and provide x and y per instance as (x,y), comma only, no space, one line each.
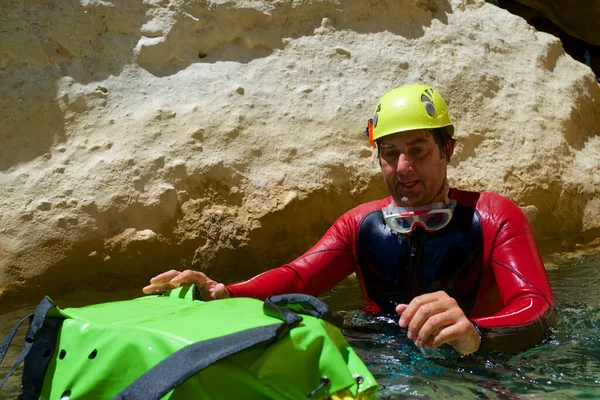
(565,366)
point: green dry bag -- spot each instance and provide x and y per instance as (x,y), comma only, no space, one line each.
(174,347)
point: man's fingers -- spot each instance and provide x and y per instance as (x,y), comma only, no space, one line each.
(209,289)
(426,313)
(188,277)
(149,289)
(434,319)
(219,291)
(161,287)
(164,277)
(400,308)
(412,308)
(434,325)
(170,280)
(461,335)
(446,335)
(452,328)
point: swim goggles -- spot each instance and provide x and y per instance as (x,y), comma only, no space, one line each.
(431,217)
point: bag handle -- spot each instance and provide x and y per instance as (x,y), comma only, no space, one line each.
(6,342)
(32,333)
(303,304)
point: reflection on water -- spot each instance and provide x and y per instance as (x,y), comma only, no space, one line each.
(565,366)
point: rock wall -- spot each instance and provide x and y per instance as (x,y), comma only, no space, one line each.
(226,136)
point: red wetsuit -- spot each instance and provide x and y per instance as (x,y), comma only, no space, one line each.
(485,258)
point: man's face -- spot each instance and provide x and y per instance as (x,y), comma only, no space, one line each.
(413,168)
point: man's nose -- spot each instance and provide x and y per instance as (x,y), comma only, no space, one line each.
(404,165)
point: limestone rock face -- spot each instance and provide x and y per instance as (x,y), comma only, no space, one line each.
(577,18)
(226,136)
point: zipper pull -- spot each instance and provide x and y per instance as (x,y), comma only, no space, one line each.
(413,250)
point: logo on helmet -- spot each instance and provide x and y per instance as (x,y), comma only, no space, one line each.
(427,100)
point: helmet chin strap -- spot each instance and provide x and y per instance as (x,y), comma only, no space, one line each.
(443,188)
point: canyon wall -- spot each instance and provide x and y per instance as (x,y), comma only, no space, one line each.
(226,136)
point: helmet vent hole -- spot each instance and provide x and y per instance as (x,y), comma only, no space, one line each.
(93,354)
(430,109)
(62,354)
(66,395)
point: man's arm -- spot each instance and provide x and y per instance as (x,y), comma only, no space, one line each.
(528,304)
(316,271)
(328,262)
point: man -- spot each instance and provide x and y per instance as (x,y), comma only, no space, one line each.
(457,267)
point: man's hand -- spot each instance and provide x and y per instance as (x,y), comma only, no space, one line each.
(172,279)
(434,319)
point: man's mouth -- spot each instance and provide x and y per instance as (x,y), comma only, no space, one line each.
(407,185)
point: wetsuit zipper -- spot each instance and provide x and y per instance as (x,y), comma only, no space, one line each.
(415,242)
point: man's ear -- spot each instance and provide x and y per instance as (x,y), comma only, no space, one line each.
(450,149)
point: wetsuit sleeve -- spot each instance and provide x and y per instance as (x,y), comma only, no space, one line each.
(328,262)
(528,304)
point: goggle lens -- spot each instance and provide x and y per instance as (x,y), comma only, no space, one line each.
(405,222)
(435,219)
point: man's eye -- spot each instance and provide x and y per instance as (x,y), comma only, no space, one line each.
(417,151)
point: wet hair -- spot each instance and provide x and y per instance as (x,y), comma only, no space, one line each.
(443,140)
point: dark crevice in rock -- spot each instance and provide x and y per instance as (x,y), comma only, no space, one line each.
(580,50)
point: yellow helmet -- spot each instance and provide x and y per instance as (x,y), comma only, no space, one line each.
(408,108)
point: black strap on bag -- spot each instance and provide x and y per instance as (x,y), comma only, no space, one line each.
(39,323)
(38,358)
(303,304)
(6,342)
(185,363)
(179,366)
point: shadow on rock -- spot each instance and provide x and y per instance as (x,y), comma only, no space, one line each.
(44,42)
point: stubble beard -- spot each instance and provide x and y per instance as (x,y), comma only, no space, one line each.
(418,199)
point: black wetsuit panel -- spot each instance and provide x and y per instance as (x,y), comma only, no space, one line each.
(397,268)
